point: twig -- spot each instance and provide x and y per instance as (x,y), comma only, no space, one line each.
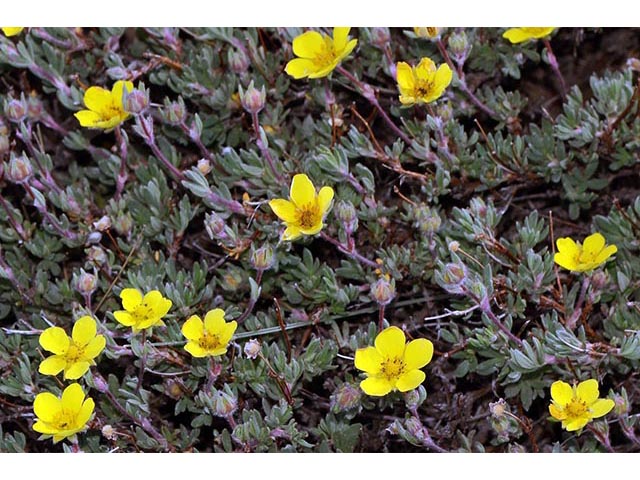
(352,252)
(283,329)
(553,61)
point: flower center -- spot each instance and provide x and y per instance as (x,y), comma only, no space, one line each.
(64,420)
(392,368)
(326,55)
(209,341)
(585,257)
(308,216)
(74,353)
(576,408)
(143,312)
(423,88)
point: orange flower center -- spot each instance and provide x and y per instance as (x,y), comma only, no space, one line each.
(308,216)
(209,341)
(392,368)
(576,408)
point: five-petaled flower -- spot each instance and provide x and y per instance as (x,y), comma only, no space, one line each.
(12,31)
(522,34)
(583,258)
(427,32)
(393,364)
(72,355)
(209,338)
(578,405)
(304,213)
(105,108)
(142,312)
(318,53)
(424,83)
(62,417)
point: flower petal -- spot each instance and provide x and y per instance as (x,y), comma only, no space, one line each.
(72,398)
(605,254)
(85,412)
(131,298)
(426,69)
(308,45)
(313,229)
(557,412)
(418,353)
(566,261)
(325,196)
(291,233)
(516,35)
(561,392)
(98,100)
(300,68)
(84,330)
(376,386)
(44,428)
(76,370)
(410,380)
(193,328)
(46,406)
(601,407)
(368,360)
(117,92)
(302,190)
(227,332)
(587,391)
(391,342)
(347,50)
(54,340)
(95,347)
(284,209)
(593,244)
(214,321)
(195,350)
(443,78)
(340,36)
(87,118)
(125,318)
(404,77)
(52,365)
(568,246)
(575,423)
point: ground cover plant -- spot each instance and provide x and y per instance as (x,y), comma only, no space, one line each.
(319,239)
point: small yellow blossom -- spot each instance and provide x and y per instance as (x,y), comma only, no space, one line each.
(578,405)
(304,213)
(427,32)
(583,258)
(318,53)
(209,338)
(12,31)
(139,312)
(72,355)
(424,83)
(393,364)
(522,34)
(62,417)
(105,108)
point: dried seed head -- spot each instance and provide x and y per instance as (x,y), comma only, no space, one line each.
(224,403)
(252,348)
(204,166)
(263,258)
(20,169)
(346,397)
(175,112)
(104,223)
(16,110)
(85,283)
(136,101)
(383,291)
(215,226)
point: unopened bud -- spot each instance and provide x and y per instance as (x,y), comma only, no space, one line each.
(35,110)
(427,219)
(253,100)
(224,403)
(174,112)
(109,432)
(231,280)
(444,110)
(452,277)
(85,283)
(346,397)
(204,166)
(123,224)
(97,255)
(16,110)
(620,404)
(346,214)
(380,36)
(383,291)
(263,258)
(427,32)
(238,61)
(415,428)
(136,101)
(599,280)
(252,348)
(104,223)
(459,45)
(215,226)
(20,169)
(416,397)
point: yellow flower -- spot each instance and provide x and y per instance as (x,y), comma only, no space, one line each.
(578,405)
(11,31)
(319,54)
(105,108)
(65,416)
(139,312)
(422,84)
(304,213)
(583,258)
(427,32)
(73,355)
(209,338)
(522,34)
(392,364)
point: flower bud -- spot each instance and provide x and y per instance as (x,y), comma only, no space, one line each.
(136,101)
(383,291)
(346,214)
(85,283)
(414,398)
(444,110)
(253,100)
(380,36)
(224,402)
(123,224)
(459,45)
(621,404)
(174,112)
(16,110)
(35,110)
(238,61)
(97,255)
(452,277)
(599,280)
(104,223)
(204,166)
(345,397)
(263,258)
(427,219)
(5,144)
(252,348)
(19,170)
(215,226)
(415,428)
